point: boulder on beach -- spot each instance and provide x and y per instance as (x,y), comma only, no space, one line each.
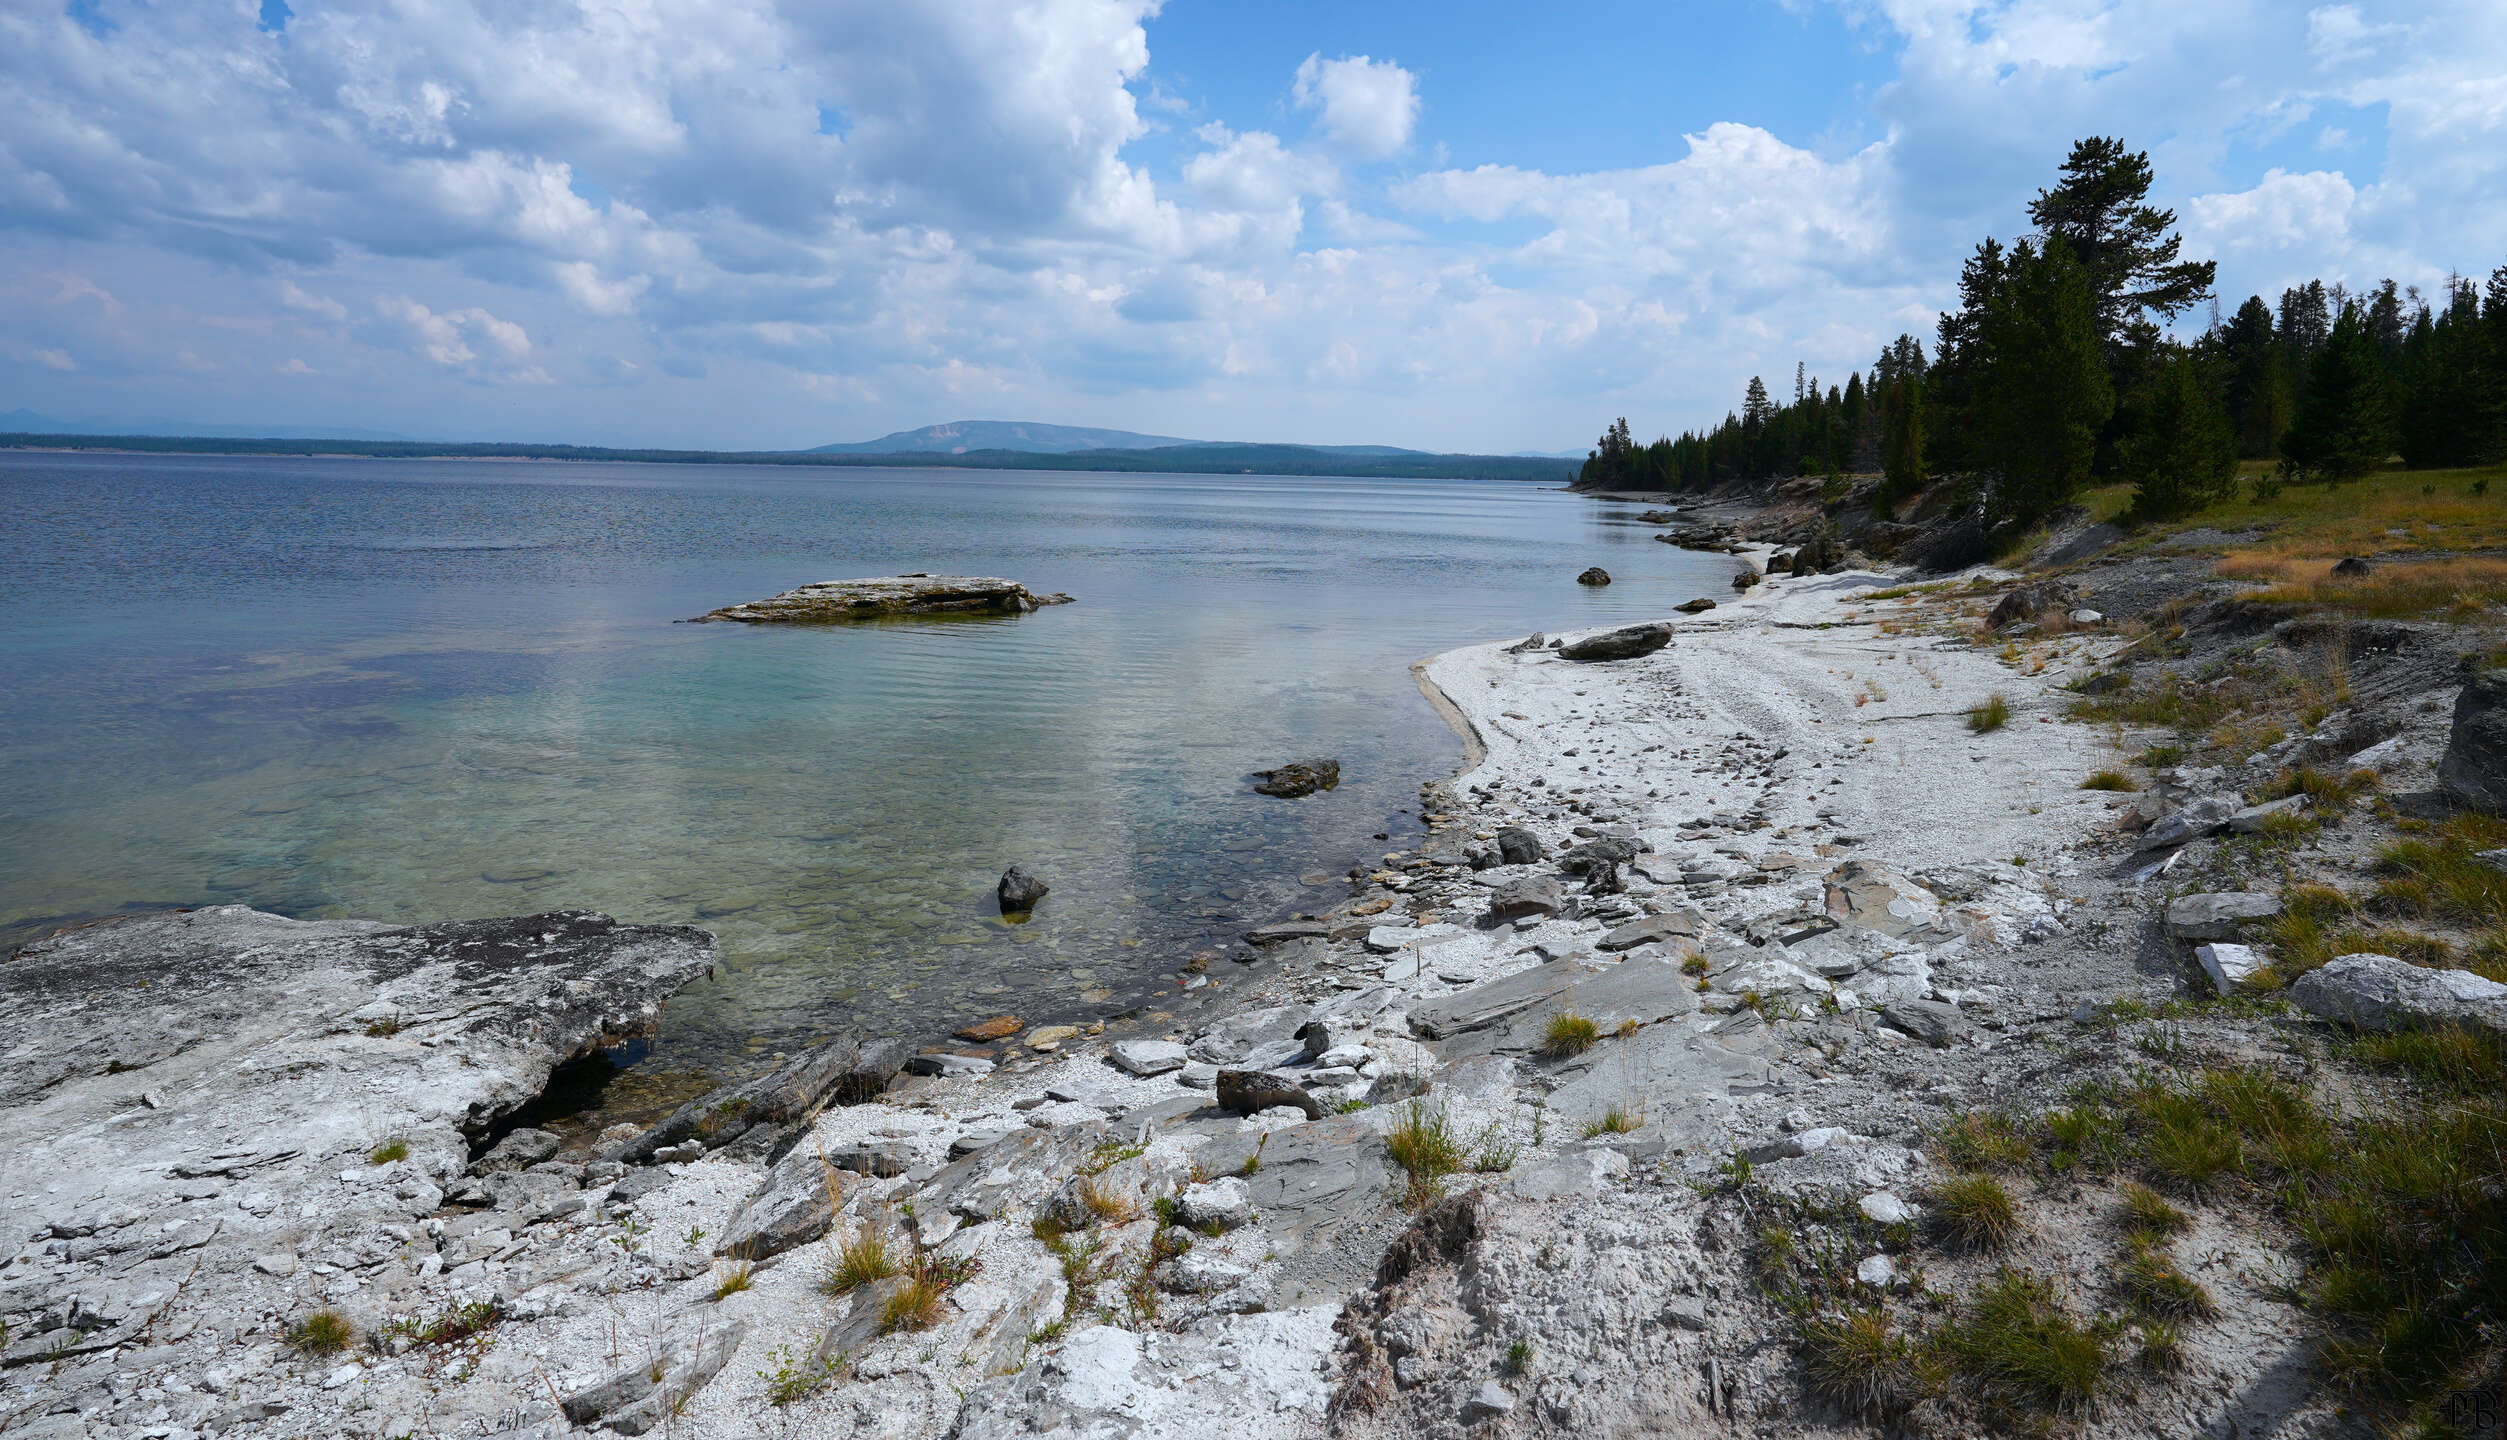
(1594,576)
(2030,601)
(885,597)
(1625,644)
(1019,891)
(1745,580)
(1699,606)
(1298,777)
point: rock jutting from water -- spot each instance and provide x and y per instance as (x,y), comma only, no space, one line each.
(887,596)
(1298,777)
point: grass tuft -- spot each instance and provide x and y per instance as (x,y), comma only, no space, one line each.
(2147,1213)
(1974,1211)
(2157,1288)
(1617,1120)
(324,1332)
(734,1280)
(915,1306)
(863,1260)
(1569,1034)
(1982,1140)
(2024,1351)
(2109,780)
(388,1152)
(1862,1361)
(1991,716)
(1425,1147)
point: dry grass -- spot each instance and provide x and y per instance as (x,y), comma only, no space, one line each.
(914,1307)
(1569,1034)
(2109,780)
(1991,716)
(2362,517)
(860,1261)
(1424,1145)
(2462,584)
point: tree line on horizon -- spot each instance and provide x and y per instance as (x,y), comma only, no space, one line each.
(2054,373)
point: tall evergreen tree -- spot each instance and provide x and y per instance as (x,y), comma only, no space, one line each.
(2185,456)
(1902,444)
(2258,395)
(2126,248)
(2044,392)
(2345,424)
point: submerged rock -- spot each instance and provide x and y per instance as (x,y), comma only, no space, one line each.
(886,597)
(1594,576)
(1298,777)
(1019,891)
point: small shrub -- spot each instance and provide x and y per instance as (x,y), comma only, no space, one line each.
(797,1377)
(324,1332)
(2109,780)
(1975,1211)
(1991,716)
(388,1152)
(1569,1034)
(862,1260)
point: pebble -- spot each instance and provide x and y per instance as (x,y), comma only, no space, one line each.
(1883,1208)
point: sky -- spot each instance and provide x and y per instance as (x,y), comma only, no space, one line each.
(1453,226)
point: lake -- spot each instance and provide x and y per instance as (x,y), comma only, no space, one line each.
(416,690)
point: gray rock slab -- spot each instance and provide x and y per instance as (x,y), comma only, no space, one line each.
(1487,1003)
(651,1391)
(1024,1167)
(1654,1072)
(884,597)
(2252,819)
(1146,1057)
(1935,1022)
(2379,992)
(1238,1038)
(1643,990)
(1877,897)
(1324,1192)
(793,1205)
(2218,916)
(1673,926)
(2229,966)
(1529,895)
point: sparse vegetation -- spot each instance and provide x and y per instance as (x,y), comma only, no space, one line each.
(797,1376)
(2109,780)
(863,1260)
(1617,1120)
(1975,1211)
(324,1332)
(2147,1213)
(1860,1359)
(1990,716)
(734,1280)
(1569,1034)
(388,1152)
(2023,1350)
(1424,1146)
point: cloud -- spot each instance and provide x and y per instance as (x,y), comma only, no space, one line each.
(448,339)
(55,360)
(1368,107)
(294,366)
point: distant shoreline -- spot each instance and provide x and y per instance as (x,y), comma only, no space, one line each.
(1169,460)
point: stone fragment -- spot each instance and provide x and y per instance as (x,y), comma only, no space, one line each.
(2229,966)
(1198,1272)
(1882,1208)
(1531,895)
(1622,644)
(795,1204)
(1298,778)
(999,1027)
(1249,1092)
(1518,846)
(1877,1271)
(2197,817)
(2379,992)
(1019,892)
(2250,821)
(1494,1000)
(1146,1057)
(1934,1022)
(519,1150)
(1487,1402)
(651,1391)
(1220,1204)
(2218,916)
(2474,768)
(949,1065)
(1876,897)
(1688,1312)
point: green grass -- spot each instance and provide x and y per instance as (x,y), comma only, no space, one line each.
(734,1280)
(1974,1211)
(2147,1214)
(2109,780)
(1569,1034)
(1983,1140)
(324,1332)
(1617,1120)
(2023,1350)
(1990,716)
(863,1260)
(388,1152)
(2157,1288)
(1424,1145)
(1862,1360)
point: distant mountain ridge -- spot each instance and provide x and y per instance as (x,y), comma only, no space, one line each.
(1029,437)
(29,423)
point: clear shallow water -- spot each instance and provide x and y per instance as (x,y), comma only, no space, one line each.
(416,690)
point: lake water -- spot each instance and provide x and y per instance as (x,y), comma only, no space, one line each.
(416,691)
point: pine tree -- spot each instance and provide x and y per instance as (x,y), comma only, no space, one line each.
(2044,392)
(2125,247)
(1902,444)
(2185,456)
(2346,414)
(2258,396)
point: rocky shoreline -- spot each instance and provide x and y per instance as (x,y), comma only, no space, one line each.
(1712,936)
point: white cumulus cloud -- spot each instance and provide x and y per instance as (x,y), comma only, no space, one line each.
(1366,106)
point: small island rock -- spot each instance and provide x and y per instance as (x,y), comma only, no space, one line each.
(1019,891)
(1298,777)
(1594,576)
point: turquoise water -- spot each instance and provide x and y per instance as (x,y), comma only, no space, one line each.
(427,690)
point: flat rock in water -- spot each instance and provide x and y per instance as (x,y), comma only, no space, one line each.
(1298,778)
(999,1027)
(885,597)
(1286,930)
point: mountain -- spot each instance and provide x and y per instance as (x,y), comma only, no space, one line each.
(27,422)
(1027,437)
